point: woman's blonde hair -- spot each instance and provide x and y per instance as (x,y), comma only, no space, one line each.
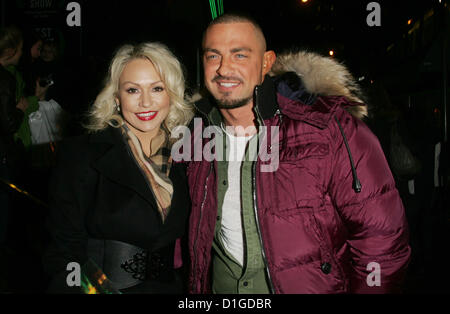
(104,111)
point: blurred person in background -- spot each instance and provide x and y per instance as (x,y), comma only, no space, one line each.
(11,115)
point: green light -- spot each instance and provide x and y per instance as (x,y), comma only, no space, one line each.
(216,10)
(212,4)
(220,6)
(94,281)
(87,286)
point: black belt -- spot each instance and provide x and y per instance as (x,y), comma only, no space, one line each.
(127,265)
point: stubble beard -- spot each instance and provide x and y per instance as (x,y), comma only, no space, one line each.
(224,103)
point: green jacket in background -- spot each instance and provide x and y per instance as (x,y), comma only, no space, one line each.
(24,132)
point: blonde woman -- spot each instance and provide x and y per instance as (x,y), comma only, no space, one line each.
(116,198)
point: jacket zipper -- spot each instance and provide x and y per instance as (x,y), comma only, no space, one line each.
(271,287)
(258,228)
(198,225)
(194,284)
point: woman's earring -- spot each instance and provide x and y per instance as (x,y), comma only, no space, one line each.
(117,107)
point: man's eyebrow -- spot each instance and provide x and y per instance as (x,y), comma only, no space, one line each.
(239,49)
(211,50)
(234,50)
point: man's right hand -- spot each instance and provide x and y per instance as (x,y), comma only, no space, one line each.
(41,92)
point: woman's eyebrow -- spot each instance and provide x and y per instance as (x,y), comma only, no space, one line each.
(134,83)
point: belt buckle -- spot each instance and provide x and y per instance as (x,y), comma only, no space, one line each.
(136,265)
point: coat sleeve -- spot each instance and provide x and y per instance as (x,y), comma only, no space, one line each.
(10,116)
(66,221)
(375,218)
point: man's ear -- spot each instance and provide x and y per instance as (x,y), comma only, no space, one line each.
(268,60)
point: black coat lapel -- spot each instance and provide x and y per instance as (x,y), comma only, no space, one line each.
(117,164)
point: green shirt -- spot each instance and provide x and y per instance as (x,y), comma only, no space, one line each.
(229,277)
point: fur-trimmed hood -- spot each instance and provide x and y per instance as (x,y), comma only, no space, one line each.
(322,76)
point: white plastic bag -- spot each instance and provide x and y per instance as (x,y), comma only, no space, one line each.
(45,123)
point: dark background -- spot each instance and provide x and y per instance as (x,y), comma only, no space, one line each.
(318,25)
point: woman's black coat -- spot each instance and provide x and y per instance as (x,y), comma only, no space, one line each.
(98,191)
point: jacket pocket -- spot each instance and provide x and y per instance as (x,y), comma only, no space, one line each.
(328,262)
(291,154)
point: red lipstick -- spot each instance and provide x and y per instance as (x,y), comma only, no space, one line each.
(147,116)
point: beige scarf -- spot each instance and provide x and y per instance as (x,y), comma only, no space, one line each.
(155,168)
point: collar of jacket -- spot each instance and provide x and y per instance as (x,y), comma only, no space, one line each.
(109,135)
(298,104)
(288,94)
(114,161)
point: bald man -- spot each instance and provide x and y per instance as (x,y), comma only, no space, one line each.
(299,197)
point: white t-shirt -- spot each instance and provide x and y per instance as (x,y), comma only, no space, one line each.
(231,232)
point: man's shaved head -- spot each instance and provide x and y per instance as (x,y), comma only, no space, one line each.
(239,18)
(235,60)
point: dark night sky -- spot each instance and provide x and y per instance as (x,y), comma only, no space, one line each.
(339,25)
(287,24)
